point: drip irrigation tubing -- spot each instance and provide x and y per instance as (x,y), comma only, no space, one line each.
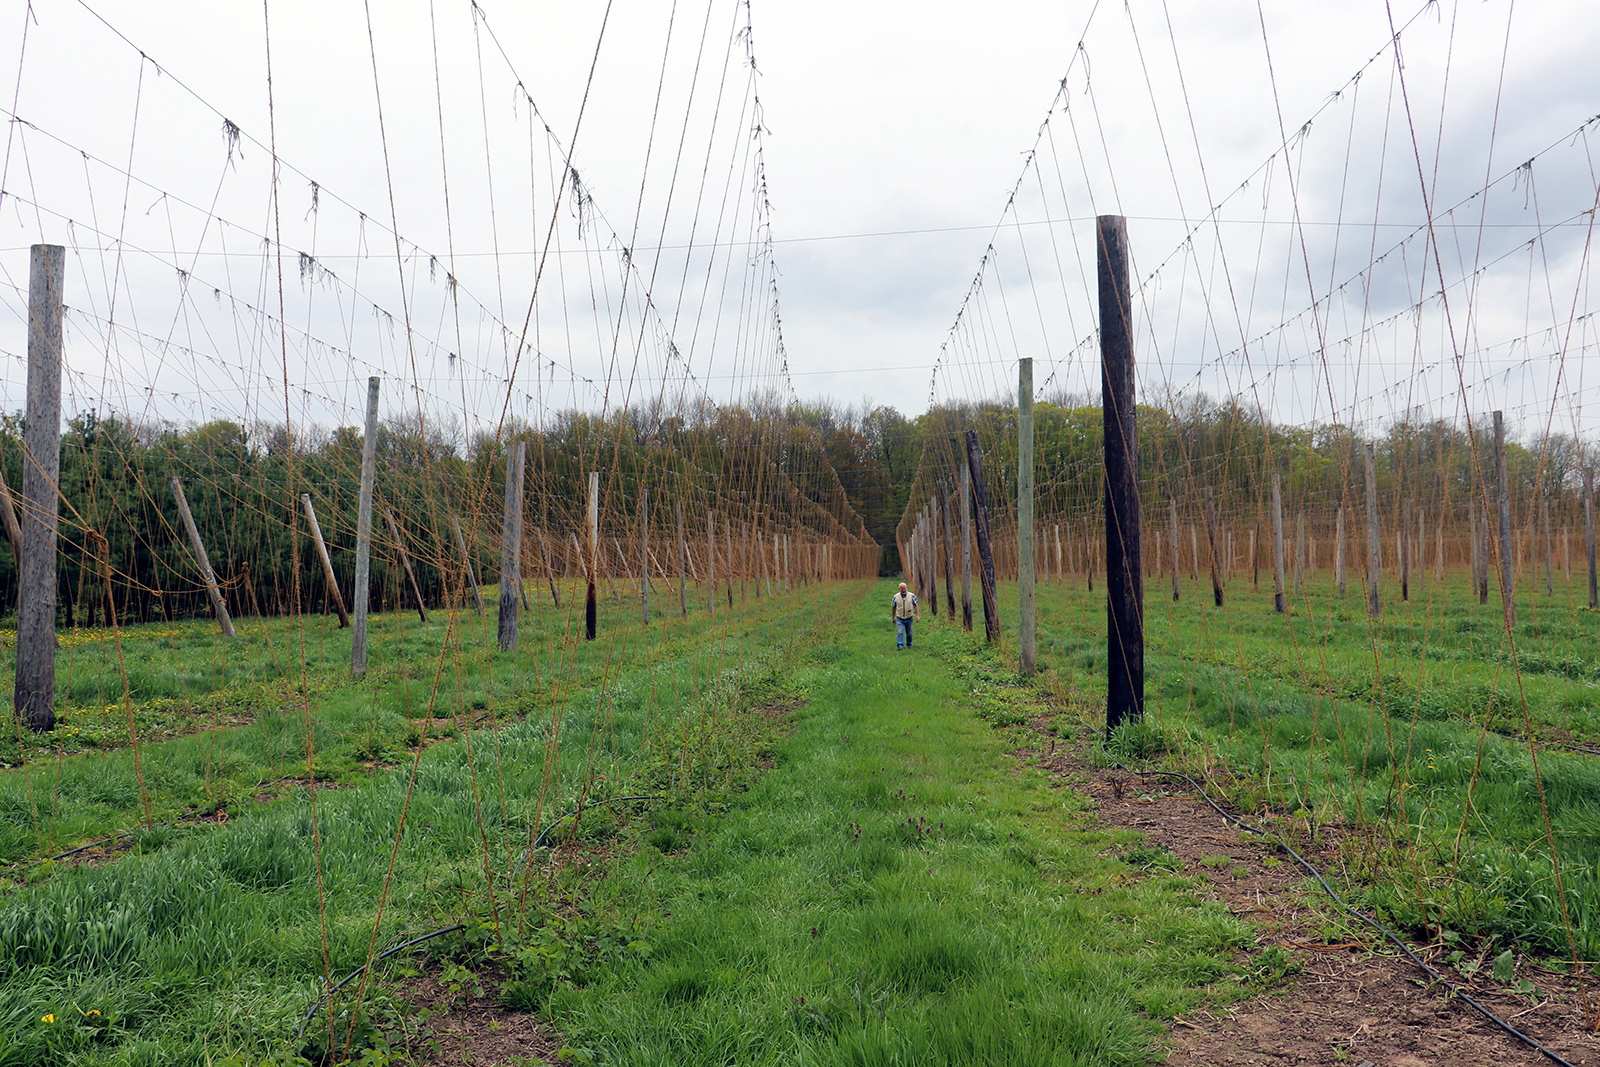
(316,1005)
(1357,913)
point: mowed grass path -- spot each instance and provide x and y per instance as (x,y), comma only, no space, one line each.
(899,890)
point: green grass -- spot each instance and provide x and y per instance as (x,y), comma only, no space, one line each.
(211,942)
(1408,732)
(898,890)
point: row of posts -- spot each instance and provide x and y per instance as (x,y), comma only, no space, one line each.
(1123,556)
(34,537)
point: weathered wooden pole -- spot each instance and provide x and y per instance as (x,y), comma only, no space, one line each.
(711,561)
(1279,601)
(34,694)
(1374,545)
(966,548)
(949,553)
(1299,550)
(683,562)
(1588,536)
(591,602)
(1549,546)
(327,563)
(1124,539)
(1058,555)
(1503,486)
(511,548)
(209,576)
(461,546)
(1338,551)
(1025,561)
(1255,560)
(644,551)
(405,563)
(363,581)
(1172,522)
(8,514)
(980,501)
(1211,539)
(727,558)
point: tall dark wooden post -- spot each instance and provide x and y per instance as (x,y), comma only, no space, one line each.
(1211,539)
(1025,556)
(966,547)
(980,500)
(949,553)
(1124,568)
(34,695)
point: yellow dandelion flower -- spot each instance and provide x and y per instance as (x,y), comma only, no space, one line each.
(47,1018)
(91,1011)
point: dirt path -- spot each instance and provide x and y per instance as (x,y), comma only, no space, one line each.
(1356,1003)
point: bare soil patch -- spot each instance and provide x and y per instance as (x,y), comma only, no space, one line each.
(465,1022)
(1355,1002)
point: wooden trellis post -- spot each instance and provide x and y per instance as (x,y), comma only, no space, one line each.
(405,563)
(327,563)
(511,548)
(1374,545)
(1211,539)
(1279,601)
(218,605)
(363,584)
(1503,487)
(991,607)
(1124,535)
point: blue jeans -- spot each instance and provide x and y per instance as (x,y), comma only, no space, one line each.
(902,632)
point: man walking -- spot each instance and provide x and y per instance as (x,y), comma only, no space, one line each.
(905,613)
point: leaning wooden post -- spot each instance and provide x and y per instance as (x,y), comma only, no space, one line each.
(405,563)
(966,548)
(1025,628)
(362,591)
(511,549)
(644,551)
(472,576)
(1374,546)
(591,603)
(8,514)
(327,564)
(1211,539)
(1118,404)
(980,499)
(1279,603)
(218,605)
(1507,598)
(1588,536)
(1172,524)
(683,563)
(34,695)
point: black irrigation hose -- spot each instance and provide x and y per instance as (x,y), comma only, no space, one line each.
(316,1005)
(538,842)
(1357,913)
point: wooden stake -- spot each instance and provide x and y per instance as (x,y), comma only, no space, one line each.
(591,604)
(405,562)
(363,583)
(34,693)
(966,548)
(1279,601)
(1025,559)
(1211,540)
(1507,597)
(644,552)
(991,606)
(683,563)
(1374,549)
(949,554)
(1124,523)
(511,548)
(1172,521)
(1403,548)
(472,575)
(218,605)
(327,563)
(1588,536)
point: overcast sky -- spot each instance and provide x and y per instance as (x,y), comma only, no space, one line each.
(893,135)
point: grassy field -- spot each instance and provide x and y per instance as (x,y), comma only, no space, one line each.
(1411,733)
(209,939)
